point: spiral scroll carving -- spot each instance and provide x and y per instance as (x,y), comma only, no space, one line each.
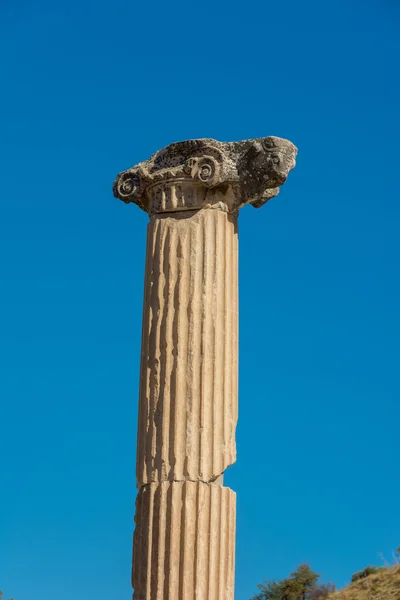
(232,174)
(204,169)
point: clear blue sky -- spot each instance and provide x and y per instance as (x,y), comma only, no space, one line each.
(89,89)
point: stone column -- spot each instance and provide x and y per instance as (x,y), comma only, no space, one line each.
(184,542)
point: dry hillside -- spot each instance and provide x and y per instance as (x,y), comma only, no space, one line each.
(384,585)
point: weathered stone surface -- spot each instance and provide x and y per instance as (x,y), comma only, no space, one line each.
(206,173)
(184,543)
(188,380)
(184,540)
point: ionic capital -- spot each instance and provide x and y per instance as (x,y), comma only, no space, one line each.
(206,173)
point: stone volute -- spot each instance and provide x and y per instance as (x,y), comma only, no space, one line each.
(184,542)
(208,174)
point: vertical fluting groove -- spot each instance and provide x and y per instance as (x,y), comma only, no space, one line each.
(194,347)
(203,543)
(167,446)
(235,324)
(198,514)
(232,543)
(182,562)
(168,532)
(222,349)
(178,392)
(222,548)
(230,338)
(183,380)
(158,561)
(219,334)
(197,522)
(217,449)
(204,312)
(153,534)
(156,407)
(174,539)
(209,301)
(187,538)
(213,530)
(229,396)
(188,391)
(157,467)
(230,539)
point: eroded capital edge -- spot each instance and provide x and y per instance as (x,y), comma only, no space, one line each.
(224,175)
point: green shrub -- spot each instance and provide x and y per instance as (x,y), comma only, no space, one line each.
(365,573)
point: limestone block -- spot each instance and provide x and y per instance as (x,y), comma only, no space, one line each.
(188,382)
(184,542)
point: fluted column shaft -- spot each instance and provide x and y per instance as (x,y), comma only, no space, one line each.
(188,378)
(184,542)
